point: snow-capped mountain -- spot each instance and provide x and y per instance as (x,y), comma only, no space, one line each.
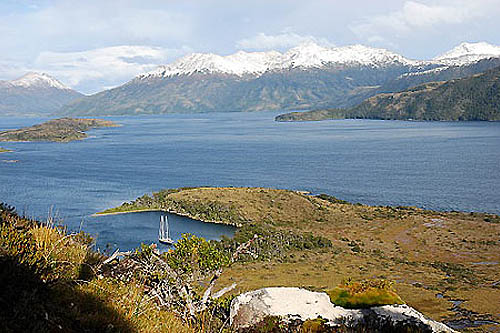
(38,80)
(308,55)
(305,77)
(468,53)
(34,94)
(312,55)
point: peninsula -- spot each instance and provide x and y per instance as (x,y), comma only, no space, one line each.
(473,98)
(57,130)
(435,258)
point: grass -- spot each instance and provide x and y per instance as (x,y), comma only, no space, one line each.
(49,283)
(424,252)
(364,294)
(322,241)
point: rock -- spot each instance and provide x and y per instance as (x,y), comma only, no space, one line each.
(299,305)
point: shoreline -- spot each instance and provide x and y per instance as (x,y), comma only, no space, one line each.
(170,212)
(128,211)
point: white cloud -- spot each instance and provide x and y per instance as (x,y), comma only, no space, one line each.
(10,69)
(104,67)
(79,25)
(280,41)
(415,17)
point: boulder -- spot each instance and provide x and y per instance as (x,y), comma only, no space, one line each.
(296,305)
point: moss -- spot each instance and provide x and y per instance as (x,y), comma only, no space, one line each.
(364,294)
(317,325)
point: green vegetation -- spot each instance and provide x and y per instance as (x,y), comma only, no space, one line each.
(286,238)
(364,294)
(3,150)
(473,98)
(58,130)
(211,211)
(292,89)
(270,243)
(327,239)
(51,281)
(181,279)
(315,115)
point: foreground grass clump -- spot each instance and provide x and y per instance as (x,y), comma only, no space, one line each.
(364,294)
(51,282)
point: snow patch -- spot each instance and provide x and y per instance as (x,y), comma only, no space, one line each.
(307,55)
(38,80)
(467,53)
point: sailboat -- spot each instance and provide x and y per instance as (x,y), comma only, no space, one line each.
(164,232)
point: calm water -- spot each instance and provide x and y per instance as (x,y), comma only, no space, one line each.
(126,231)
(435,165)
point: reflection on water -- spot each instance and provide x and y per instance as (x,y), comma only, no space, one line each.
(129,230)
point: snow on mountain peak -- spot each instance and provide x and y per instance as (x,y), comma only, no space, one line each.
(38,80)
(307,55)
(239,63)
(313,55)
(466,53)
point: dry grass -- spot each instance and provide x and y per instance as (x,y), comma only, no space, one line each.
(49,283)
(425,252)
(133,306)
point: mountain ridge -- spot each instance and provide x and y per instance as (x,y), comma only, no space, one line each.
(308,55)
(476,97)
(34,94)
(305,77)
(38,80)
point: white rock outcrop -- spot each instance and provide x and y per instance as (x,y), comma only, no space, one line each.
(292,304)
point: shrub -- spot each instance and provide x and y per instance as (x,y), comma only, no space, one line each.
(364,294)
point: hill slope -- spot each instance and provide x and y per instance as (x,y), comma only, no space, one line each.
(417,248)
(473,98)
(306,77)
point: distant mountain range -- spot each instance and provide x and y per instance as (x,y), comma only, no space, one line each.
(34,94)
(473,98)
(306,77)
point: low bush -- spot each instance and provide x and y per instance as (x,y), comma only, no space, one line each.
(364,294)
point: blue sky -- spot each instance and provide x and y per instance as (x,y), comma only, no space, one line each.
(93,45)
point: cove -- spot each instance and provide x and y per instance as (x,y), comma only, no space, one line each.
(126,231)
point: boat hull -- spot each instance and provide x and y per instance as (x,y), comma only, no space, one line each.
(166,241)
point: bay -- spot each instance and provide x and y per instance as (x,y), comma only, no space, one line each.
(433,165)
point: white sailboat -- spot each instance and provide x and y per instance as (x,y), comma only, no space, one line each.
(164,232)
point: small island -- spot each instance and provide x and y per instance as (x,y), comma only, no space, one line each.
(3,150)
(316,241)
(57,130)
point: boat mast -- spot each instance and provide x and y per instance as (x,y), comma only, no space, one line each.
(168,227)
(161,232)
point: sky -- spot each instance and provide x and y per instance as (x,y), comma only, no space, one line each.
(93,45)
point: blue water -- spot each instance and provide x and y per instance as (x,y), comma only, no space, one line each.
(435,165)
(126,231)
